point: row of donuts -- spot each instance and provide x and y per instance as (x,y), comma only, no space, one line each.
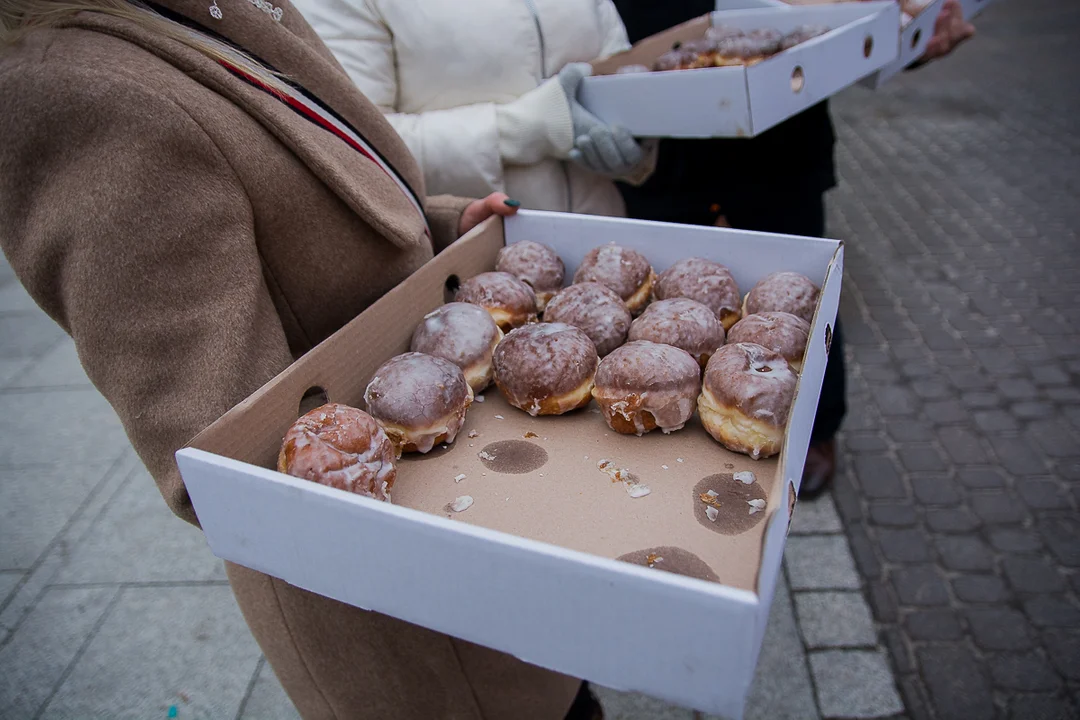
(655,379)
(724,46)
(419,399)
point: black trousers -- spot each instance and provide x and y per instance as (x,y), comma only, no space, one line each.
(788,213)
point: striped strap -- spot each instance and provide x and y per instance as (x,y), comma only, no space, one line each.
(297,99)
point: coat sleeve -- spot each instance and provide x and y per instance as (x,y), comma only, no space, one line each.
(457,148)
(444,218)
(615,39)
(126,223)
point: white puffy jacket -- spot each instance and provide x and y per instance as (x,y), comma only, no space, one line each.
(447,73)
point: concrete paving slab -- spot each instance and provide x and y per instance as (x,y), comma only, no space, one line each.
(58,367)
(163,647)
(39,654)
(138,539)
(36,502)
(84,422)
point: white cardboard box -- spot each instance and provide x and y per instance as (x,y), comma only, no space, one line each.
(914,37)
(744,101)
(520,578)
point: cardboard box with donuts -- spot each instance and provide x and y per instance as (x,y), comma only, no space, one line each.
(917,21)
(576,520)
(739,72)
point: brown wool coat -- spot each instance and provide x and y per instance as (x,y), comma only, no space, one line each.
(195,236)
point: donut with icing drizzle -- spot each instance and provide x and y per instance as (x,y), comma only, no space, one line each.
(746,397)
(546,368)
(420,400)
(340,447)
(627,272)
(536,265)
(682,322)
(778,331)
(464,334)
(645,385)
(596,310)
(511,302)
(705,281)
(787,292)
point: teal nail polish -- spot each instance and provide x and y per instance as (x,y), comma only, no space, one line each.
(511,203)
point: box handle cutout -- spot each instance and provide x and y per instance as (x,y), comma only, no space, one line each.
(828,338)
(868,46)
(798,79)
(915,37)
(313,397)
(450,288)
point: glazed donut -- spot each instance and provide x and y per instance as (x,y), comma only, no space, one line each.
(683,323)
(341,447)
(777,331)
(708,282)
(595,310)
(718,33)
(511,302)
(674,59)
(625,271)
(746,396)
(546,368)
(536,265)
(645,385)
(420,400)
(464,334)
(787,292)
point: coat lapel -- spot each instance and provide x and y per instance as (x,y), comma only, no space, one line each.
(292,47)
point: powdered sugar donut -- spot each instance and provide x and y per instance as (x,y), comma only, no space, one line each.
(511,302)
(746,396)
(546,368)
(464,334)
(708,282)
(644,385)
(420,400)
(595,310)
(536,265)
(787,292)
(625,271)
(777,331)
(341,447)
(683,323)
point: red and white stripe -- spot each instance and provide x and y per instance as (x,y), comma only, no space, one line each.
(303,105)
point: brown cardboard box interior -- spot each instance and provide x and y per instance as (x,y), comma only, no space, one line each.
(539,477)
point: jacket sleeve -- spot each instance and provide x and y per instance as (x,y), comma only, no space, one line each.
(615,39)
(458,148)
(126,223)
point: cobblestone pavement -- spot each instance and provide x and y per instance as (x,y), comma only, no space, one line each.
(962,309)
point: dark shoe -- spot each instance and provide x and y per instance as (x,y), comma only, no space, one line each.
(819,469)
(586,706)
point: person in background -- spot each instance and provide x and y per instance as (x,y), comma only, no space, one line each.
(775,182)
(163,201)
(484,93)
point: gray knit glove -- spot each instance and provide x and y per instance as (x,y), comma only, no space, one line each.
(602,148)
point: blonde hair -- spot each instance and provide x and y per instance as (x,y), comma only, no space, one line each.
(18,17)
